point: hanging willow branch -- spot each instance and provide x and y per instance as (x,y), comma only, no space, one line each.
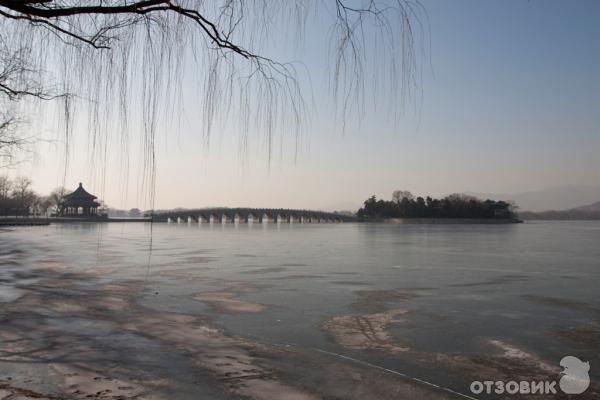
(129,58)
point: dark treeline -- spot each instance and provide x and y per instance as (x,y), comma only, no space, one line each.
(405,205)
(17,198)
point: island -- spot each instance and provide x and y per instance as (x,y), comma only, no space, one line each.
(404,207)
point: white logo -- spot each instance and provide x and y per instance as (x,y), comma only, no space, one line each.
(575,378)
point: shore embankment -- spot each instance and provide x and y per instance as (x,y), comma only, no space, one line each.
(24,221)
(34,221)
(451,220)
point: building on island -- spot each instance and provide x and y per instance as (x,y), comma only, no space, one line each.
(79,204)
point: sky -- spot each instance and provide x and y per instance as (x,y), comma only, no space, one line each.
(508,102)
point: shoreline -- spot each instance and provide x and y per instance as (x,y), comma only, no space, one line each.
(442,221)
(24,221)
(36,221)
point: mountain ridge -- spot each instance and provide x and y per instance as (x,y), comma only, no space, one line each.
(564,197)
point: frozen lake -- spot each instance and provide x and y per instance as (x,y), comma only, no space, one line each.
(311,311)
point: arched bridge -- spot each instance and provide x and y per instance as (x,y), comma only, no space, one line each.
(250,215)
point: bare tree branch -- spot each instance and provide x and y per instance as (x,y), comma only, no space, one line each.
(123,55)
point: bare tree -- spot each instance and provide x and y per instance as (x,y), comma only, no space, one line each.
(55,200)
(18,81)
(43,205)
(119,58)
(5,187)
(22,194)
(21,186)
(12,141)
(398,195)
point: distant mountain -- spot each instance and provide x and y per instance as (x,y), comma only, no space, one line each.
(557,198)
(594,207)
(587,212)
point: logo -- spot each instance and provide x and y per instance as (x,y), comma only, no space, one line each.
(574,380)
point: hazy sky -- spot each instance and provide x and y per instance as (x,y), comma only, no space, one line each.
(510,103)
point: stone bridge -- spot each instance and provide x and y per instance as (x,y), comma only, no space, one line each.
(250,215)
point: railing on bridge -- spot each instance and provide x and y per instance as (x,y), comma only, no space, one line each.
(250,215)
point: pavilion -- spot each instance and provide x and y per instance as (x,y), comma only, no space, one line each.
(79,204)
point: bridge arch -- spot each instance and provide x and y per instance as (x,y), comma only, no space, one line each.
(250,215)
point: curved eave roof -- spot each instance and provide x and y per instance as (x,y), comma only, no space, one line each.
(80,197)
(80,203)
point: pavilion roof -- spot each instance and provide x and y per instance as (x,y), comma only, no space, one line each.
(80,197)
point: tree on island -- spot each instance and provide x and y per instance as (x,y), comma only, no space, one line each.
(399,195)
(405,205)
